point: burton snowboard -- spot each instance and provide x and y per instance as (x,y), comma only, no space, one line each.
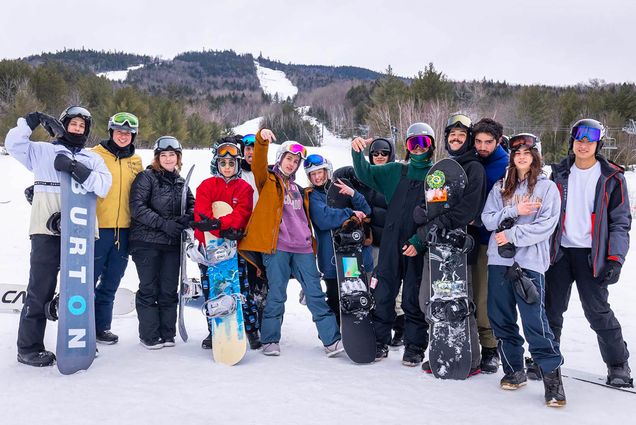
(76,342)
(183,274)
(224,305)
(449,306)
(356,302)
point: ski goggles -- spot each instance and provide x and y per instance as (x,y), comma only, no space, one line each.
(592,134)
(78,111)
(296,149)
(459,119)
(249,139)
(423,142)
(125,118)
(314,159)
(522,140)
(227,150)
(167,142)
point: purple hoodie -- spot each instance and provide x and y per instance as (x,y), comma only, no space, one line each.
(294,234)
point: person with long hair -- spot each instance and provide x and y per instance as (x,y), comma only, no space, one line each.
(522,211)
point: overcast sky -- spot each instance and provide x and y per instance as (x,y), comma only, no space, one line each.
(539,41)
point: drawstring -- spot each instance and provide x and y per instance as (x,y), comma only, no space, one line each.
(117,242)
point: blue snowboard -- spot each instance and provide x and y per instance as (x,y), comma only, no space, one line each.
(76,327)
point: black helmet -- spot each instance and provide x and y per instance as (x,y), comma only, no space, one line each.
(463,122)
(77,111)
(167,143)
(381,144)
(591,129)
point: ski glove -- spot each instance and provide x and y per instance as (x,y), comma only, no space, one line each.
(32,120)
(184,220)
(52,126)
(232,234)
(77,170)
(173,228)
(206,223)
(611,273)
(54,223)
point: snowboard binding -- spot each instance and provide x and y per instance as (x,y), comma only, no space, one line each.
(455,310)
(51,308)
(455,239)
(225,251)
(357,303)
(222,305)
(192,288)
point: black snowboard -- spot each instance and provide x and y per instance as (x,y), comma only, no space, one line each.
(356,302)
(449,306)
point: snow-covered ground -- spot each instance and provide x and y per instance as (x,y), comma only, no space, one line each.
(129,384)
(274,82)
(119,75)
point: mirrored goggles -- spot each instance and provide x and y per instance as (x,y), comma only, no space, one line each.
(227,150)
(523,140)
(249,139)
(168,142)
(297,149)
(423,142)
(592,134)
(125,118)
(314,159)
(459,119)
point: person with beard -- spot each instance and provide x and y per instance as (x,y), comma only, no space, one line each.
(113,217)
(487,135)
(67,154)
(381,151)
(279,232)
(325,219)
(401,258)
(459,145)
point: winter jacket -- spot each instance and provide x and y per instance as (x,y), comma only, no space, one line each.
(39,157)
(611,219)
(264,224)
(155,197)
(237,193)
(325,219)
(495,168)
(530,233)
(113,211)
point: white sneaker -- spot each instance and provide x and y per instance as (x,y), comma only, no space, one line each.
(271,349)
(334,349)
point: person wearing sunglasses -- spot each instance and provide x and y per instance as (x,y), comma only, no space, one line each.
(155,242)
(325,218)
(459,145)
(401,257)
(66,154)
(590,243)
(113,216)
(526,195)
(279,239)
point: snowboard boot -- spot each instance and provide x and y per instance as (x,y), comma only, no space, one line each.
(489,360)
(398,332)
(271,349)
(38,359)
(106,337)
(381,351)
(254,340)
(513,380)
(206,344)
(413,355)
(152,344)
(50,308)
(168,342)
(554,392)
(301,297)
(532,370)
(620,376)
(334,349)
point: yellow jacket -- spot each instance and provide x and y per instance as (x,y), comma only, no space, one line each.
(113,211)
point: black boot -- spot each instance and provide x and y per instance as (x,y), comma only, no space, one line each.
(381,351)
(38,359)
(413,355)
(206,344)
(106,337)
(532,370)
(513,380)
(554,392)
(254,339)
(489,360)
(398,332)
(620,376)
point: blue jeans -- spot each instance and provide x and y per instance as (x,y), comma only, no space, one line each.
(503,303)
(111,260)
(279,267)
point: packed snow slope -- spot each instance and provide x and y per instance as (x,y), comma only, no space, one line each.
(128,384)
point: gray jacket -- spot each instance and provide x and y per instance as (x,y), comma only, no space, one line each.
(611,218)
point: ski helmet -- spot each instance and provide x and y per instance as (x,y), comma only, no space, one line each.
(226,149)
(591,129)
(315,162)
(124,121)
(421,129)
(381,144)
(292,147)
(527,140)
(463,122)
(74,112)
(167,143)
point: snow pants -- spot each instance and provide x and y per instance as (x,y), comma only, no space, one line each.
(480,294)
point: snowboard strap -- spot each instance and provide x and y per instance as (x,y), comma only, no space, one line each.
(455,310)
(357,303)
(222,305)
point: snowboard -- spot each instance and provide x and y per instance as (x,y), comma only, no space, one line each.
(449,306)
(229,342)
(591,378)
(183,273)
(356,302)
(76,342)
(12,299)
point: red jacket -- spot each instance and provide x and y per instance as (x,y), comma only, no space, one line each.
(237,193)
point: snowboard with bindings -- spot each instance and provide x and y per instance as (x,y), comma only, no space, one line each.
(356,301)
(449,306)
(591,378)
(184,282)
(223,308)
(76,342)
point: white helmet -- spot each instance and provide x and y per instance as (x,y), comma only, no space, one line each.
(292,147)
(316,162)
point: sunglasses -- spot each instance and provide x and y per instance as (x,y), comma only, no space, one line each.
(522,140)
(226,163)
(167,142)
(249,139)
(380,153)
(227,150)
(123,118)
(314,159)
(297,149)
(459,119)
(590,133)
(423,142)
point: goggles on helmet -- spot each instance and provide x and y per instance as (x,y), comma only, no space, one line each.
(522,140)
(314,159)
(423,142)
(167,142)
(125,118)
(592,134)
(227,149)
(249,139)
(459,119)
(296,149)
(77,111)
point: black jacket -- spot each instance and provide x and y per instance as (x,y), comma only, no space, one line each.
(155,197)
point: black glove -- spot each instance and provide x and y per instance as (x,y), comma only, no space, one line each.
(33,119)
(419,214)
(173,228)
(77,170)
(611,272)
(54,223)
(206,223)
(28,194)
(52,125)
(232,234)
(184,220)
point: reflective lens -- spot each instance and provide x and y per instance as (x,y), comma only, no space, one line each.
(522,140)
(590,133)
(297,149)
(249,139)
(123,118)
(78,111)
(168,142)
(314,159)
(423,142)
(227,163)
(459,119)
(380,153)
(227,149)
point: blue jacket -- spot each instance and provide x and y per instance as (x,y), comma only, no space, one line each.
(325,219)
(495,167)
